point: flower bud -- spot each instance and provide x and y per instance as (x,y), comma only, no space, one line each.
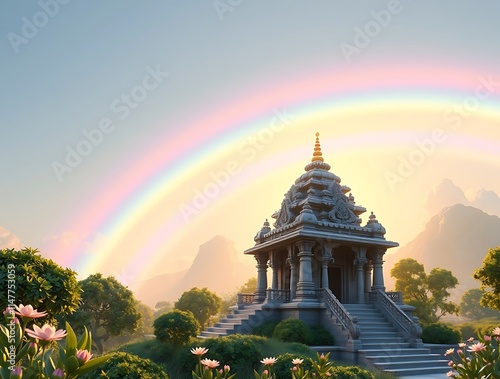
(17,373)
(32,349)
(57,374)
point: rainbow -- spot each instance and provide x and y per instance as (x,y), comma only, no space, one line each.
(151,177)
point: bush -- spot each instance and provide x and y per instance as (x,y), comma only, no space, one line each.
(153,349)
(292,330)
(441,333)
(352,372)
(282,367)
(124,365)
(320,336)
(266,329)
(176,327)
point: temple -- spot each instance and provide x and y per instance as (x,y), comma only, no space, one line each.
(326,268)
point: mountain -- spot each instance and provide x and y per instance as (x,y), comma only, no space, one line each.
(457,239)
(217,266)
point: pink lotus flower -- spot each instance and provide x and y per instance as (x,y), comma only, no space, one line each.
(268,361)
(496,331)
(449,374)
(46,333)
(210,363)
(83,356)
(449,351)
(297,361)
(227,368)
(16,373)
(477,347)
(487,338)
(57,374)
(462,345)
(28,311)
(470,339)
(199,351)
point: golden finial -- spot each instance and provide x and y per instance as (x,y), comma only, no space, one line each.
(317,155)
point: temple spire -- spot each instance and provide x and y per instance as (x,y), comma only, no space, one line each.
(317,155)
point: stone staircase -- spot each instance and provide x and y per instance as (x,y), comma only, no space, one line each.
(240,320)
(384,349)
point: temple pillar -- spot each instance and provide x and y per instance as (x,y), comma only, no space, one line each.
(274,264)
(292,261)
(360,261)
(368,279)
(326,259)
(260,292)
(305,286)
(378,271)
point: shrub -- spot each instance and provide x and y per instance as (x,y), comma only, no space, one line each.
(320,336)
(153,349)
(176,327)
(440,333)
(352,372)
(292,330)
(124,365)
(266,329)
(282,367)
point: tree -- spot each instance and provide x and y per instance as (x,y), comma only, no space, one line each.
(108,309)
(470,306)
(176,327)
(427,293)
(231,299)
(489,276)
(37,281)
(162,307)
(201,302)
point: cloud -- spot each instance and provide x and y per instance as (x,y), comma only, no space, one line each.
(9,240)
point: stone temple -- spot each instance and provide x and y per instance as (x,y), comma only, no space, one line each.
(326,268)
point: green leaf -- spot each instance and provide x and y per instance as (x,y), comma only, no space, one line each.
(92,364)
(82,342)
(70,341)
(72,364)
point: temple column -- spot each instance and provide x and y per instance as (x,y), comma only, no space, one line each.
(326,259)
(368,279)
(305,286)
(360,261)
(378,271)
(274,264)
(260,292)
(292,261)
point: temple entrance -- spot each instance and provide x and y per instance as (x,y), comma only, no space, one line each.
(335,282)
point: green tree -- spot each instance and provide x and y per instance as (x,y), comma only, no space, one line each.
(37,281)
(427,293)
(201,302)
(162,307)
(231,299)
(489,276)
(176,327)
(470,306)
(108,309)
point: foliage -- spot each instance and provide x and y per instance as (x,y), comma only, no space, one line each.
(32,353)
(292,330)
(153,349)
(162,307)
(108,308)
(283,366)
(427,293)
(479,359)
(484,326)
(441,333)
(470,306)
(266,329)
(489,276)
(123,365)
(320,336)
(231,299)
(176,327)
(201,302)
(351,372)
(38,281)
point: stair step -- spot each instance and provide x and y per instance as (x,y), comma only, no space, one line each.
(412,364)
(419,371)
(375,359)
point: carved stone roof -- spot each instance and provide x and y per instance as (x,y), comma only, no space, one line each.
(317,200)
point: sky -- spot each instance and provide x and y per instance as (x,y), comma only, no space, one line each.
(133,132)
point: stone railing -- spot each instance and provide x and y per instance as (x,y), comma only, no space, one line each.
(245,298)
(349,323)
(278,296)
(397,297)
(410,328)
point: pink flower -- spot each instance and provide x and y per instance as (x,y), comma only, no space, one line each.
(227,368)
(28,311)
(294,368)
(268,361)
(297,361)
(462,345)
(210,363)
(265,372)
(470,339)
(57,374)
(450,363)
(449,374)
(496,331)
(487,338)
(46,333)
(83,356)
(15,320)
(16,373)
(199,351)
(477,347)
(449,351)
